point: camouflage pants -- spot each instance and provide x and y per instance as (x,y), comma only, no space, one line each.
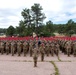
(12,51)
(68,51)
(7,51)
(2,50)
(19,51)
(30,49)
(35,61)
(52,52)
(42,56)
(74,52)
(47,51)
(57,52)
(24,51)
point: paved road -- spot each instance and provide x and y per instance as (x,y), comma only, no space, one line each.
(5,57)
(20,65)
(14,65)
(66,68)
(25,68)
(64,57)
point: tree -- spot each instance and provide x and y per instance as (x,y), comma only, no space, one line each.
(32,20)
(70,22)
(26,13)
(2,30)
(71,32)
(61,28)
(70,27)
(10,31)
(21,29)
(49,26)
(38,16)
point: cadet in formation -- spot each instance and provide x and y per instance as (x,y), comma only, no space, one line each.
(12,48)
(19,48)
(25,48)
(42,51)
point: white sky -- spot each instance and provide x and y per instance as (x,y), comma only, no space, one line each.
(58,11)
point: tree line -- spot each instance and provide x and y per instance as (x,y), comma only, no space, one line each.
(33,22)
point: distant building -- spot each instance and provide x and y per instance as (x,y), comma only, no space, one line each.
(2,35)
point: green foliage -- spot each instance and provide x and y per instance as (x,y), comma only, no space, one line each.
(10,31)
(43,30)
(70,27)
(27,16)
(33,22)
(46,34)
(49,26)
(3,30)
(61,29)
(56,69)
(38,16)
(70,32)
(59,58)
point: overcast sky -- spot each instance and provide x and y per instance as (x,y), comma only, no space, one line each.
(58,11)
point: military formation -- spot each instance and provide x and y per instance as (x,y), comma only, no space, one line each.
(38,47)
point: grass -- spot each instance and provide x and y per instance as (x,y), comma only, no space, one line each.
(64,60)
(59,58)
(56,69)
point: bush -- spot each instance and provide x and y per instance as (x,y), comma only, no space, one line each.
(46,34)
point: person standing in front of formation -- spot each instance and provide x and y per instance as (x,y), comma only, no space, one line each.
(35,54)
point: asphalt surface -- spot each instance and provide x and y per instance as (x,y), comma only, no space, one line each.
(20,65)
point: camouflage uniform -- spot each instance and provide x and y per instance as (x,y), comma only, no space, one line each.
(57,49)
(64,47)
(47,49)
(30,48)
(74,49)
(35,55)
(7,47)
(68,47)
(2,47)
(12,47)
(42,51)
(52,47)
(19,48)
(25,47)
(15,47)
